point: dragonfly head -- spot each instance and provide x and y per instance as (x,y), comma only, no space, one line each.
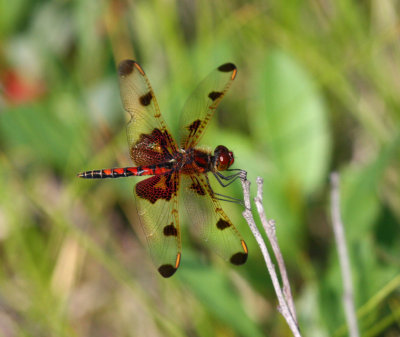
(223,158)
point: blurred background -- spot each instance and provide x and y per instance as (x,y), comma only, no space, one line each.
(317,91)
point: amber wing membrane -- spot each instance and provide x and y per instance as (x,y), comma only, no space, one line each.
(157,204)
(148,138)
(208,219)
(200,106)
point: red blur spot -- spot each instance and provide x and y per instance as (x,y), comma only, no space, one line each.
(20,90)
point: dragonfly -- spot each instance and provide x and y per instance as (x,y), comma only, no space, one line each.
(177,168)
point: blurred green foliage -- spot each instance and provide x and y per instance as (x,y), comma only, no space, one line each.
(316,92)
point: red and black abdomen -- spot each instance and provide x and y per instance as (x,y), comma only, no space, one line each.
(127,171)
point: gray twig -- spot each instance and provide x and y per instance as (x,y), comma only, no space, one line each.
(286,305)
(337,224)
(270,230)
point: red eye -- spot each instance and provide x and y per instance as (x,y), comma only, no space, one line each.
(231,158)
(223,158)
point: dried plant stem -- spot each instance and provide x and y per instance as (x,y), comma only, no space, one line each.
(285,299)
(337,224)
(269,227)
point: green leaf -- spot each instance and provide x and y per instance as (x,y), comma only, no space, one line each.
(216,292)
(290,122)
(360,202)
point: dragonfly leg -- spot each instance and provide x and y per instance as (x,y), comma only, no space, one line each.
(223,197)
(240,174)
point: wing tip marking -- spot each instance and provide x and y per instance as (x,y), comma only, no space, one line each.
(167,270)
(228,67)
(240,257)
(126,67)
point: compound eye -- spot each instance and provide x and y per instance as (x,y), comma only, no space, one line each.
(223,158)
(231,158)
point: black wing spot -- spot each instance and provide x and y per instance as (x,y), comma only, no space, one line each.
(170,230)
(227,67)
(193,127)
(222,224)
(196,187)
(167,270)
(126,67)
(145,100)
(238,258)
(214,95)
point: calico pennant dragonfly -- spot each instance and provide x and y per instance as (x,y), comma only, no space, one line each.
(176,169)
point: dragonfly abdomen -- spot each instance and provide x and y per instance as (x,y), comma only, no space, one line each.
(127,171)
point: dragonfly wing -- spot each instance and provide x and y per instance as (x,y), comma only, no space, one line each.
(206,215)
(200,106)
(157,203)
(148,138)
